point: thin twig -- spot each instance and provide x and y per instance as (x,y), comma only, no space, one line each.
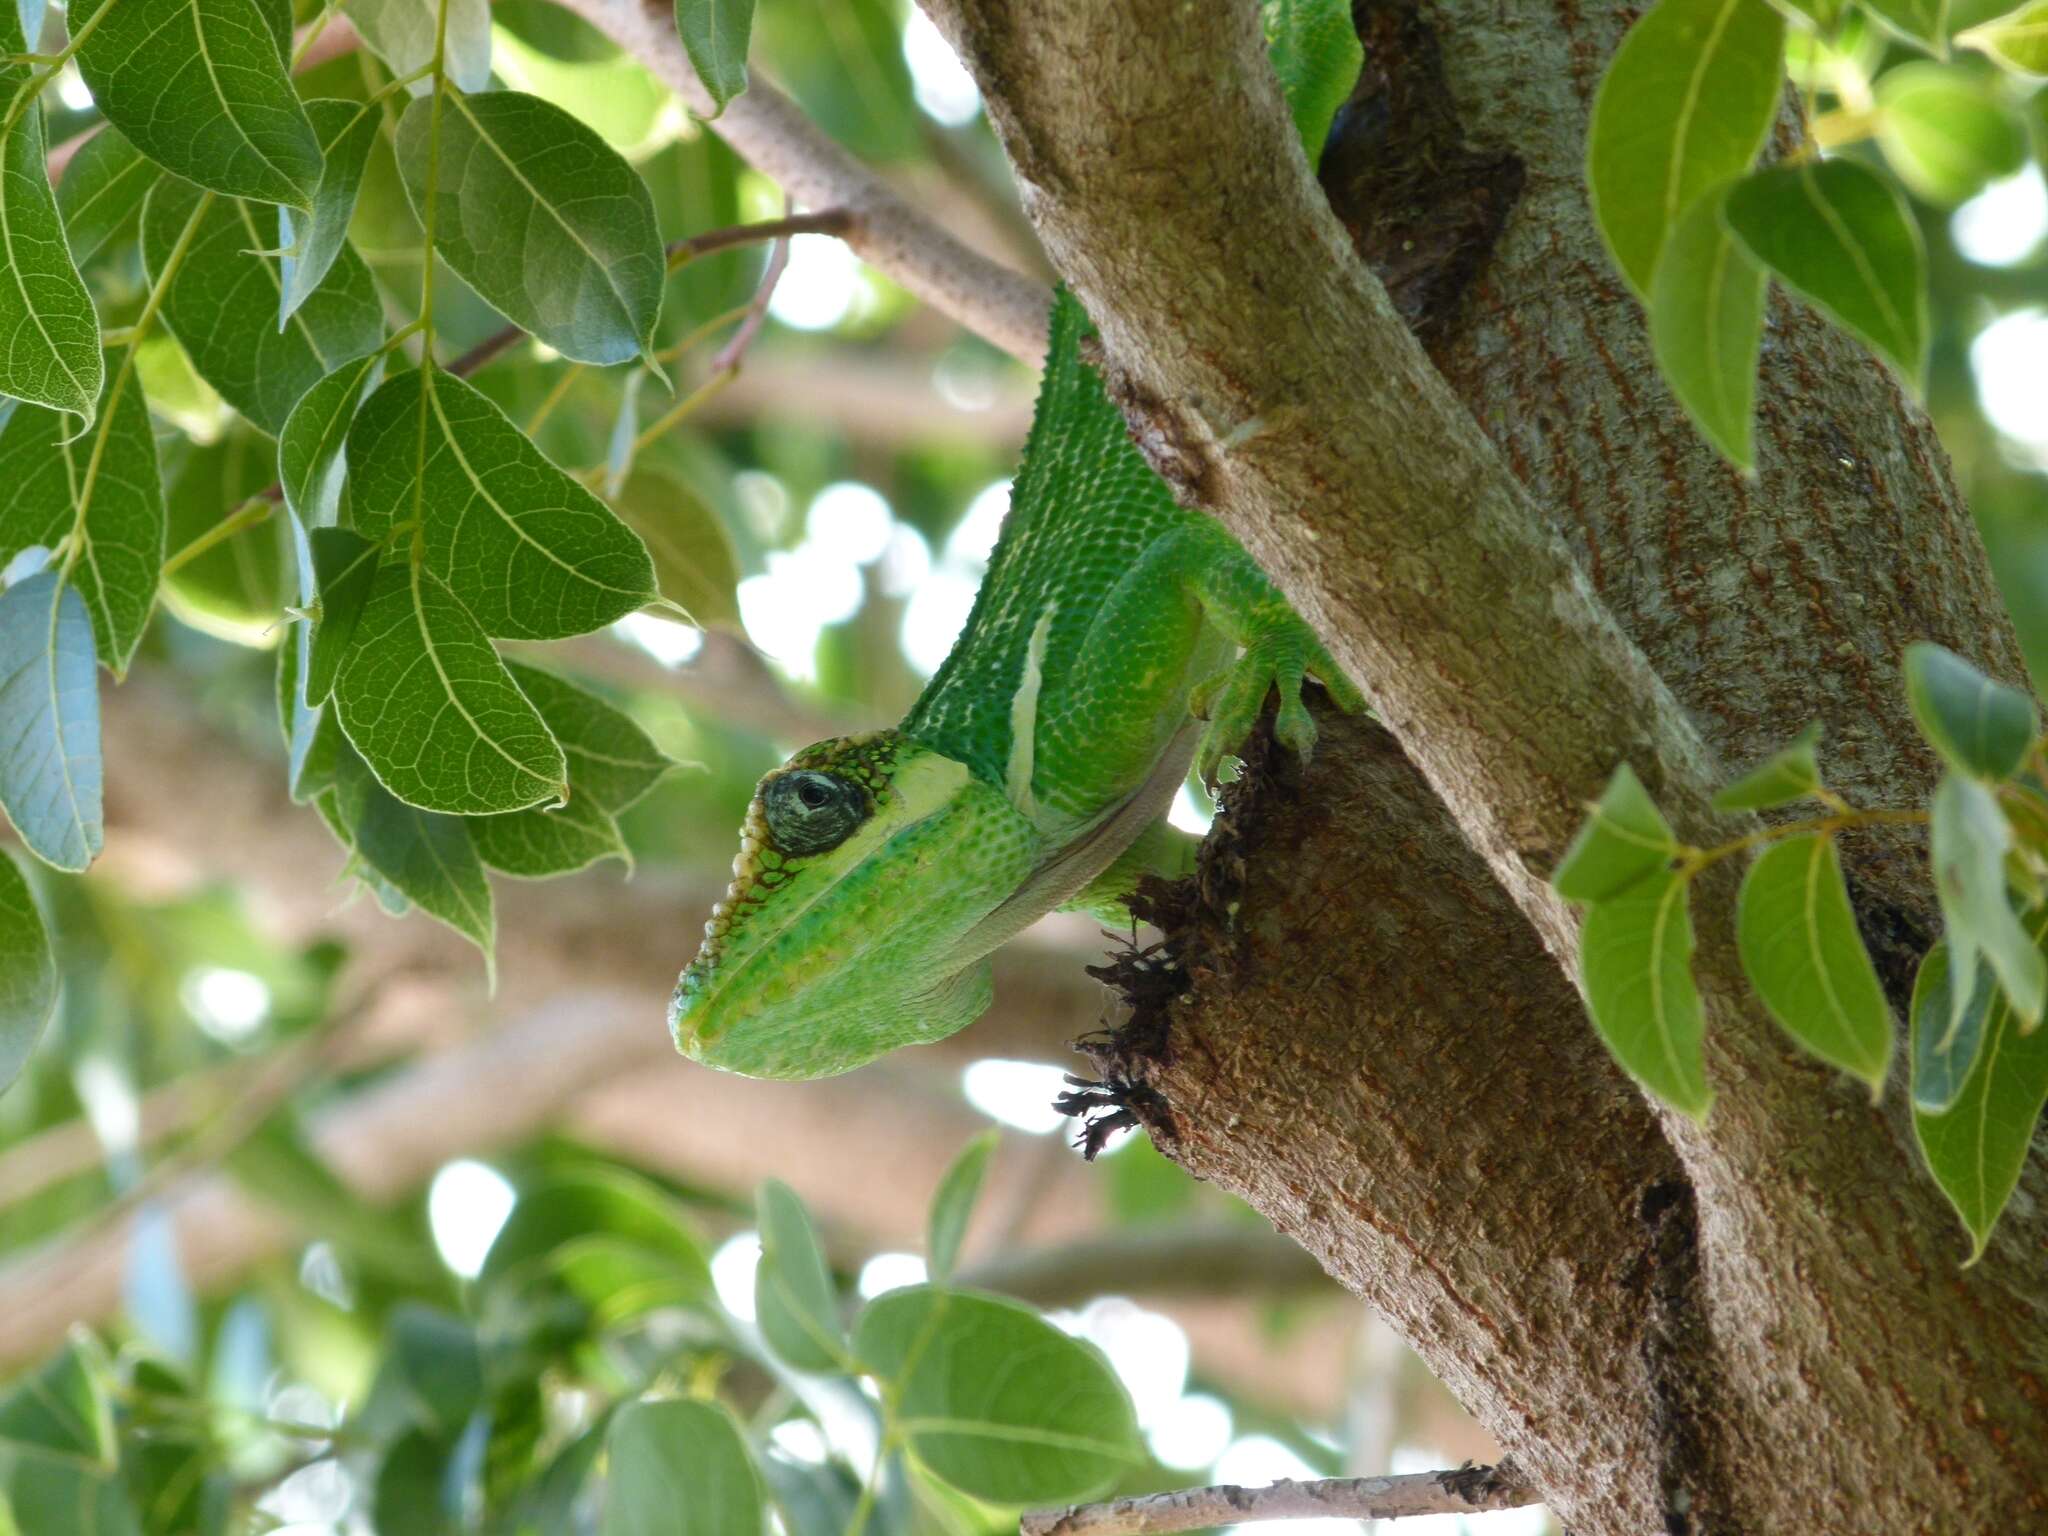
(727,358)
(1462,1491)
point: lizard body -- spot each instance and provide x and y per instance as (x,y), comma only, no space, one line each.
(876,873)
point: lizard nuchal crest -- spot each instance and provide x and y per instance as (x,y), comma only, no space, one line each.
(876,873)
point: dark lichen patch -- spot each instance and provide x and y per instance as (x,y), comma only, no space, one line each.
(1423,207)
(1200,937)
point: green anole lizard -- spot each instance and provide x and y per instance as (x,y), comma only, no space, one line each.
(876,873)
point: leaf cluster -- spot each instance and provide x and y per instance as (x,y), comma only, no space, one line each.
(598,1289)
(1978,1056)
(1699,231)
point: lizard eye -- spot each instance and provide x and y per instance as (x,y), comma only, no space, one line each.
(810,812)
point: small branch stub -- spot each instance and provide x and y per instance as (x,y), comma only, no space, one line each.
(1463,1491)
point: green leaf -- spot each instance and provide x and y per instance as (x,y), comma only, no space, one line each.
(1839,234)
(280,1167)
(794,1301)
(532,553)
(953,1204)
(62,1407)
(310,462)
(996,1400)
(618,1241)
(201,88)
(311,242)
(93,1502)
(695,565)
(412,1495)
(105,483)
(1707,327)
(612,763)
(312,736)
(50,722)
(1970,839)
(2018,39)
(1945,1045)
(277,15)
(715,34)
(1797,936)
(542,218)
(1946,131)
(238,588)
(1624,840)
(539,844)
(28,973)
(427,858)
(344,566)
(1636,963)
(1977,1146)
(401,33)
(680,1469)
(1918,21)
(431,708)
(223,303)
(1978,726)
(1789,774)
(435,1357)
(1316,53)
(101,194)
(51,352)
(1684,106)
(1819,15)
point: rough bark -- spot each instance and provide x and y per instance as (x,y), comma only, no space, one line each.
(1520,549)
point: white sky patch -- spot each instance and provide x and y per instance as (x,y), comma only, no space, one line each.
(889,1272)
(940,83)
(905,563)
(227,1004)
(110,1103)
(320,1272)
(732,1273)
(819,285)
(936,614)
(764,502)
(973,538)
(1187,814)
(666,640)
(1017,1093)
(2007,358)
(71,87)
(939,605)
(1147,1350)
(1191,1432)
(804,589)
(466,1205)
(963,384)
(2004,224)
(850,522)
(25,564)
(799,1440)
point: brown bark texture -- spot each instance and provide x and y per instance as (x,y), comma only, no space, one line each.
(1420,396)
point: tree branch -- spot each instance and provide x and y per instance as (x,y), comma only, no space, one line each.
(771,134)
(1464,1491)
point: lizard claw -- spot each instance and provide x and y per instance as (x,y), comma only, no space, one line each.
(1231,700)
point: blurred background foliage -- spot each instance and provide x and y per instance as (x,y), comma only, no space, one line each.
(266,1147)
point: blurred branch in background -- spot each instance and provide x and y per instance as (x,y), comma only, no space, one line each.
(774,135)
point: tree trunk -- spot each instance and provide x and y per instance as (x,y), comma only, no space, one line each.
(1460,464)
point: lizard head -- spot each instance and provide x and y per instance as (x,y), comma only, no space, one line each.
(866,864)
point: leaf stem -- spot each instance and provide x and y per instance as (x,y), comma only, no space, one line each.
(150,305)
(51,63)
(684,407)
(1690,861)
(827,221)
(257,509)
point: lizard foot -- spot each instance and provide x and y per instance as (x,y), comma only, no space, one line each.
(1231,700)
